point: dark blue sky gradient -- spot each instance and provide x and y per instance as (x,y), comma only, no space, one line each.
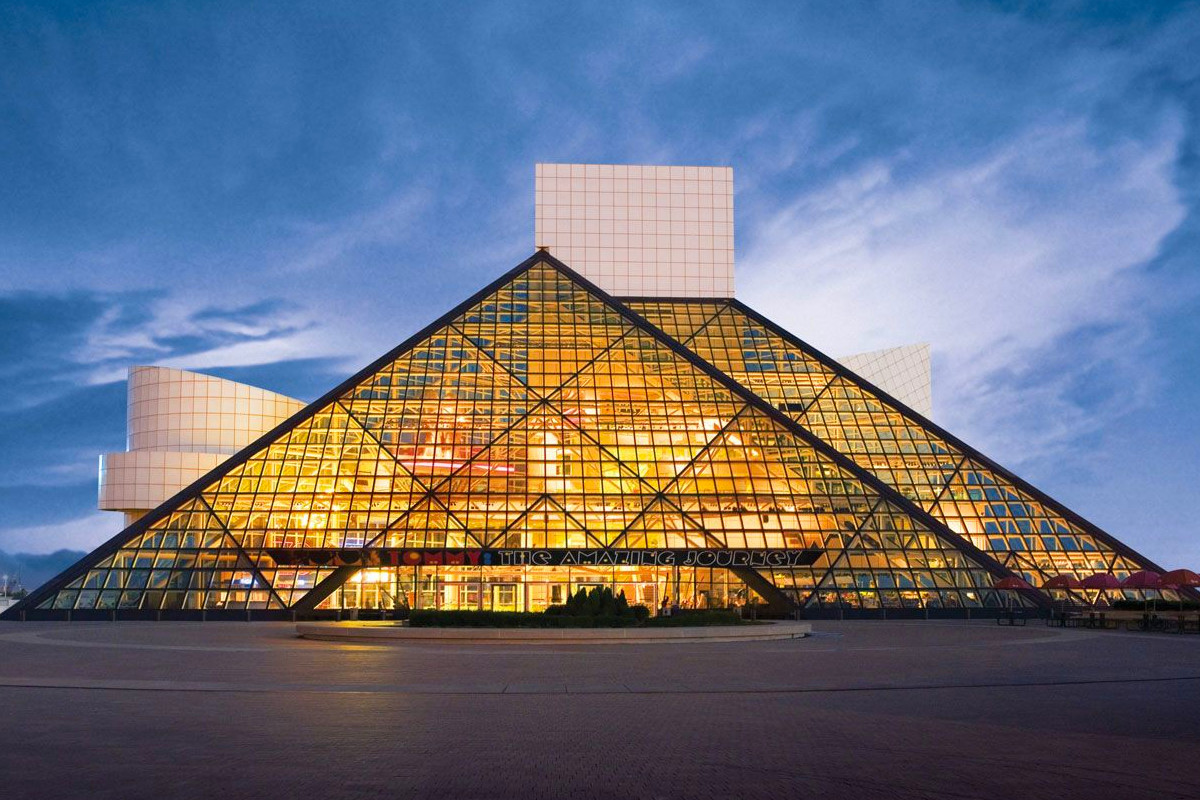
(277,193)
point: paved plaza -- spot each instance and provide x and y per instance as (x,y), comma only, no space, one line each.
(860,710)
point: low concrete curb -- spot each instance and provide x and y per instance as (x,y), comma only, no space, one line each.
(393,632)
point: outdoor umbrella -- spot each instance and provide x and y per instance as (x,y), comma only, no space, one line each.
(1011,583)
(1063,582)
(1102,581)
(1144,579)
(1180,579)
(1067,583)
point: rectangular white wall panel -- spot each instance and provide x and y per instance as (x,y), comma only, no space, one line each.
(639,231)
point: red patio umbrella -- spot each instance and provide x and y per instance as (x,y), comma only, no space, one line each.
(1180,577)
(1142,580)
(1101,580)
(1063,582)
(1012,583)
(1067,583)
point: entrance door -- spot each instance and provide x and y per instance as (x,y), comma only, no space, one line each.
(504,597)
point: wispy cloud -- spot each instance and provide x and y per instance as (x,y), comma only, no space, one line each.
(156,328)
(65,357)
(82,533)
(189,334)
(1022,267)
(333,243)
(306,344)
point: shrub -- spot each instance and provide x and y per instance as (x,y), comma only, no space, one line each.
(431,618)
(599,608)
(695,618)
(599,602)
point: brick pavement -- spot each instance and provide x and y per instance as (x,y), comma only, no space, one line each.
(868,710)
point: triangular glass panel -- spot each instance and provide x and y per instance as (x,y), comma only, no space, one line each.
(541,414)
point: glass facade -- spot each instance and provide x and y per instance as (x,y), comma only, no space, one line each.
(529,588)
(1022,530)
(542,414)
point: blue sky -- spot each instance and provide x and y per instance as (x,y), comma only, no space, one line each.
(278,193)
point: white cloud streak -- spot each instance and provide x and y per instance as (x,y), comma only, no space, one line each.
(83,533)
(110,346)
(997,263)
(334,244)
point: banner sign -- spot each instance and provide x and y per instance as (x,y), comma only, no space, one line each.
(555,557)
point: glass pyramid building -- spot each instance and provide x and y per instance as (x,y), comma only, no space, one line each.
(545,436)
(997,512)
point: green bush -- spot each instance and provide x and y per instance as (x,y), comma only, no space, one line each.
(431,618)
(599,608)
(695,618)
(581,604)
(599,602)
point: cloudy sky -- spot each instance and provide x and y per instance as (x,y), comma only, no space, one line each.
(277,193)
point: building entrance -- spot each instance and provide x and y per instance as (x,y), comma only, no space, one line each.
(504,597)
(529,588)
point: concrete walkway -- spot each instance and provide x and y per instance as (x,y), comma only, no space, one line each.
(857,710)
(378,632)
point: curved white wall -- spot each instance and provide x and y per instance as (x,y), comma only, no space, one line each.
(180,425)
(904,372)
(137,481)
(177,410)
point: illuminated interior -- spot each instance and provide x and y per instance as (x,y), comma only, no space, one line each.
(957,486)
(544,414)
(534,588)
